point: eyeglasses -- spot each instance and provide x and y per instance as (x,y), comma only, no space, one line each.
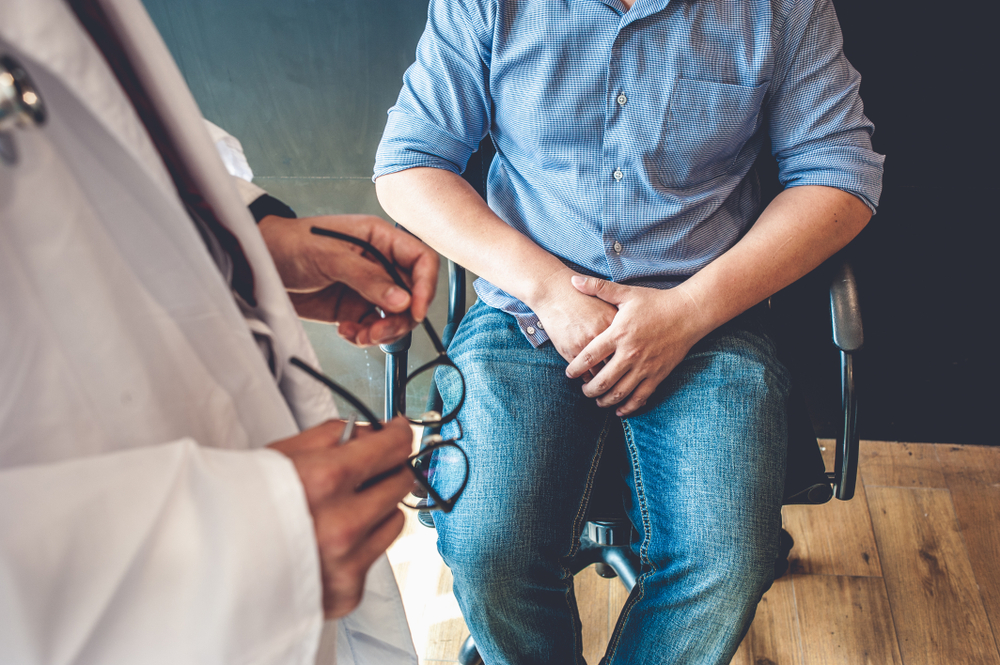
(442,369)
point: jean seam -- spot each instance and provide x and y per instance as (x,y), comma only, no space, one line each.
(578,523)
(638,592)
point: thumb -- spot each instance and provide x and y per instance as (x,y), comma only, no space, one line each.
(373,284)
(607,291)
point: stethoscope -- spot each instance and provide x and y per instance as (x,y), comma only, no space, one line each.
(20,103)
(20,106)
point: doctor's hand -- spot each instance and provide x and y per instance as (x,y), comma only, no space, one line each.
(352,528)
(651,333)
(331,280)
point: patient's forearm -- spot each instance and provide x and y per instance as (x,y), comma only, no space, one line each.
(445,212)
(800,229)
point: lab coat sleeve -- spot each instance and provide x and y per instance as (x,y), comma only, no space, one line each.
(174,553)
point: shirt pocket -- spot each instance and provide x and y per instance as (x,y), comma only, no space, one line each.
(707,125)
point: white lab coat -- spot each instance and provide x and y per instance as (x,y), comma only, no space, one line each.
(141,519)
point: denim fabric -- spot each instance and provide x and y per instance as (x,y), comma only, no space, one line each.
(706,471)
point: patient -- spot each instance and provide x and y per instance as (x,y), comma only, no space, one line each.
(622,254)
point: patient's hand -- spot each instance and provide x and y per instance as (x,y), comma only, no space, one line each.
(651,333)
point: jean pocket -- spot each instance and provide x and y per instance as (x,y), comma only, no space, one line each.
(706,127)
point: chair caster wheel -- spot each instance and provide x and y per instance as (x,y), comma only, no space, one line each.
(784,548)
(605,571)
(780,567)
(425,519)
(785,543)
(469,655)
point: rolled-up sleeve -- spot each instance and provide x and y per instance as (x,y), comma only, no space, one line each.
(819,132)
(443,108)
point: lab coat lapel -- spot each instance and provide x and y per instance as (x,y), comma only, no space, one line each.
(159,76)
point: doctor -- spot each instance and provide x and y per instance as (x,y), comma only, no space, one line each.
(172,490)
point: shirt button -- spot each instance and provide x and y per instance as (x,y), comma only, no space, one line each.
(622,99)
(540,326)
(531,331)
(618,174)
(618,247)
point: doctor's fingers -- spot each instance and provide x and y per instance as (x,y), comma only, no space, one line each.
(350,518)
(371,458)
(368,279)
(352,530)
(359,323)
(327,470)
(422,264)
(324,435)
(344,572)
(416,260)
(371,330)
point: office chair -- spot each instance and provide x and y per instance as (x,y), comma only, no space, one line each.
(606,537)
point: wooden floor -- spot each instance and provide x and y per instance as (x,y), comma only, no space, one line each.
(907,573)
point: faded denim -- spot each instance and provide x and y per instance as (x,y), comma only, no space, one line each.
(706,473)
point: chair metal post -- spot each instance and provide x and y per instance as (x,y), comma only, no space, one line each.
(456,301)
(848,335)
(846,467)
(395,375)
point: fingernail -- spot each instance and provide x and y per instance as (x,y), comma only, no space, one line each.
(396,297)
(578,280)
(388,334)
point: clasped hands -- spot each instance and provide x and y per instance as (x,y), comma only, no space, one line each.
(623,341)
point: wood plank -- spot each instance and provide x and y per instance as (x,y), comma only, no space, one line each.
(963,465)
(936,605)
(425,585)
(846,621)
(978,511)
(592,593)
(616,601)
(835,538)
(444,640)
(608,597)
(973,475)
(891,464)
(773,637)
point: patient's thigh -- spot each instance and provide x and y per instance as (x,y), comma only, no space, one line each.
(531,436)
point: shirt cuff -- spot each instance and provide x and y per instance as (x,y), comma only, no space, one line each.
(266,205)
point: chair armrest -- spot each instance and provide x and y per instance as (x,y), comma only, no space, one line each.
(845,311)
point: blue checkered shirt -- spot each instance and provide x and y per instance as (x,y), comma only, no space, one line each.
(625,139)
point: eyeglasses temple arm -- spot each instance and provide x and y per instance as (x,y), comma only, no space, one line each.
(337,388)
(368,247)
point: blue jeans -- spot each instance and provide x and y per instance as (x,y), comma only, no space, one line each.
(706,473)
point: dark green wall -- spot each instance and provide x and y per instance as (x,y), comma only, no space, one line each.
(305,86)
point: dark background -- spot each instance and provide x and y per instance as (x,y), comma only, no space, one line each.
(305,85)
(928,278)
